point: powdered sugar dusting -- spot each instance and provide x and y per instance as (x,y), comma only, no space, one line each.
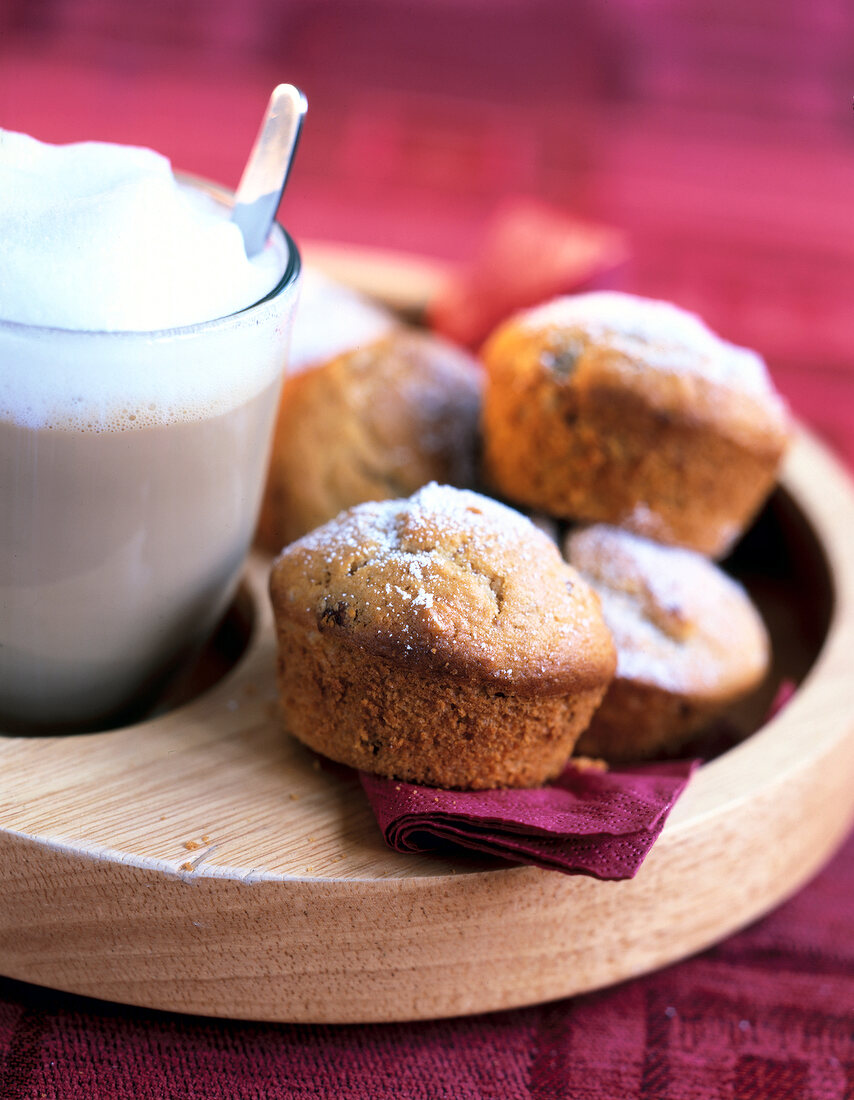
(458,578)
(678,621)
(383,525)
(658,335)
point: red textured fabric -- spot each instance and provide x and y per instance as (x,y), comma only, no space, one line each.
(588,822)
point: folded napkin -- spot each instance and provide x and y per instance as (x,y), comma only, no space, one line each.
(588,821)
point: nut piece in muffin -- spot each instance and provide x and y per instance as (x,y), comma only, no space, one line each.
(608,407)
(440,639)
(689,642)
(373,423)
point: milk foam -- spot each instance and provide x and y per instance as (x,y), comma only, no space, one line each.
(100,245)
(101,237)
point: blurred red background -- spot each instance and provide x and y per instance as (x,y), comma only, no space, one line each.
(718,135)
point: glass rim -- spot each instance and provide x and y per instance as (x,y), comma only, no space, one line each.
(293,266)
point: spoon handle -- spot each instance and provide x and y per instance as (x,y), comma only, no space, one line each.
(260,189)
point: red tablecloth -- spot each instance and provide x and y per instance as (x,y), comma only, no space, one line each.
(753,230)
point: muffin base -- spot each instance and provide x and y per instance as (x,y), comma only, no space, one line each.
(364,710)
(640,721)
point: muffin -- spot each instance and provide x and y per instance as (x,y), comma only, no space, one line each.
(440,640)
(608,407)
(373,423)
(689,642)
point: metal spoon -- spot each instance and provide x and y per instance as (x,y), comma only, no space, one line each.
(260,189)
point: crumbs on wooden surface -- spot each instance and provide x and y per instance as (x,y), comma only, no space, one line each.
(187,866)
(192,845)
(294,797)
(589,764)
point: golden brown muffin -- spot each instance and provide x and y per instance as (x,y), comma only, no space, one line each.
(689,642)
(631,411)
(373,423)
(439,639)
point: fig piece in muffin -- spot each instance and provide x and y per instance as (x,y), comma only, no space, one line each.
(689,642)
(439,639)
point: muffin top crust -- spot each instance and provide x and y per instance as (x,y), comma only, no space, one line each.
(668,357)
(388,413)
(448,581)
(375,422)
(678,621)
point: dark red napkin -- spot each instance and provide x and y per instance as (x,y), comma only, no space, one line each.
(591,822)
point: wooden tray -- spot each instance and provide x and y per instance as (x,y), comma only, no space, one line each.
(204,862)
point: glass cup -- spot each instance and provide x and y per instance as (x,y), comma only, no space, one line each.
(131,471)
